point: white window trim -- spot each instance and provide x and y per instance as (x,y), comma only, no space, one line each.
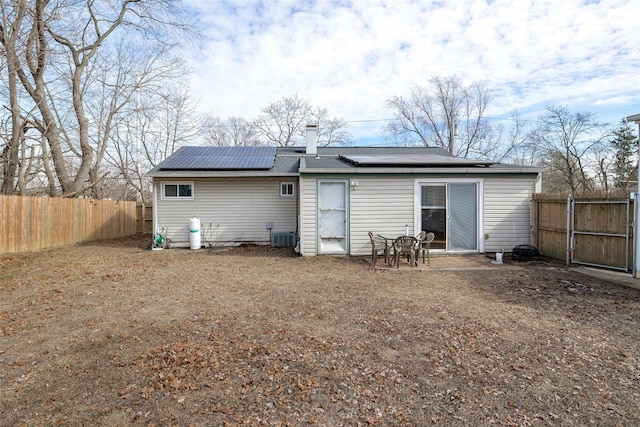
(417,201)
(177,197)
(293,188)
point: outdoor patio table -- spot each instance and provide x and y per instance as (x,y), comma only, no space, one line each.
(413,255)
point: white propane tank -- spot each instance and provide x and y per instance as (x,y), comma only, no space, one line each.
(194,233)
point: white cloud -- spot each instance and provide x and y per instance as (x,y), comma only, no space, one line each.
(351,56)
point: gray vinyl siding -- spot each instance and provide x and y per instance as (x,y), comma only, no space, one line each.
(231,211)
(507,212)
(382,205)
(236,210)
(308,206)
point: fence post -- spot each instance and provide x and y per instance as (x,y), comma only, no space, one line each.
(636,251)
(569,245)
(534,222)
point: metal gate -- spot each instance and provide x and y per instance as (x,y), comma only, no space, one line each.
(598,233)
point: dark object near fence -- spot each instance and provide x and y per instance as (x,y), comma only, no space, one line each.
(525,251)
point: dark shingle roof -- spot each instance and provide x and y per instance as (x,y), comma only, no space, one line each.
(292,161)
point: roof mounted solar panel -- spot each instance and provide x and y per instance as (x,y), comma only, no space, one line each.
(221,158)
(407,160)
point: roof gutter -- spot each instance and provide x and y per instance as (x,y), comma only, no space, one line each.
(419,171)
(213,174)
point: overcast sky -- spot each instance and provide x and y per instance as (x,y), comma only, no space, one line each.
(352,56)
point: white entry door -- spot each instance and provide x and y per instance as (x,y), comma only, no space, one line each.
(332,216)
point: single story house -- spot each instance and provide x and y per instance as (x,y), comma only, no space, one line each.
(325,200)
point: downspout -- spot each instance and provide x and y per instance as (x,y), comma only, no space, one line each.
(298,247)
(298,228)
(154,208)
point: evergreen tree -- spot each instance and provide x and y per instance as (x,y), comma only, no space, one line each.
(625,145)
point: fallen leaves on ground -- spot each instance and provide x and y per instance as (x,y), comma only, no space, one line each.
(114,334)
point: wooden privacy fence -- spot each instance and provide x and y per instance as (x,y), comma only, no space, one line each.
(34,223)
(144,218)
(590,229)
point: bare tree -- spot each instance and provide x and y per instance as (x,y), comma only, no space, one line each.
(232,132)
(283,123)
(121,75)
(10,27)
(570,140)
(32,75)
(61,42)
(174,121)
(511,143)
(603,165)
(553,178)
(331,131)
(150,130)
(447,114)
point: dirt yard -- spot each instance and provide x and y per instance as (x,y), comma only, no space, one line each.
(115,334)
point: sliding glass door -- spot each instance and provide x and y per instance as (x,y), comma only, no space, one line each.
(450,210)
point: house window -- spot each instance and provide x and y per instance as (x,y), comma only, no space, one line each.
(286,189)
(177,190)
